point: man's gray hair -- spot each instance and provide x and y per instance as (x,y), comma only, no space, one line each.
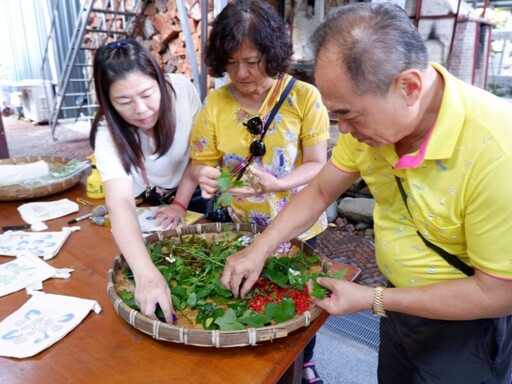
(374,42)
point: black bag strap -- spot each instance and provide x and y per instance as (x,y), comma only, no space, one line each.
(271,116)
(451,259)
(280,102)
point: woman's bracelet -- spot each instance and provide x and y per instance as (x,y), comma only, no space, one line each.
(181,205)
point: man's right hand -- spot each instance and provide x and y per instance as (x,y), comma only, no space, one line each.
(242,270)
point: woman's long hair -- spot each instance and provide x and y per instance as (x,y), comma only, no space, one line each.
(113,62)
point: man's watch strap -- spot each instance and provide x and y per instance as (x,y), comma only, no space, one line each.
(378,302)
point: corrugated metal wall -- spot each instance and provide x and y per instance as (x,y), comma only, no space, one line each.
(27,28)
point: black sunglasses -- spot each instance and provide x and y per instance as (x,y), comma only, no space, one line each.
(255,126)
(257,148)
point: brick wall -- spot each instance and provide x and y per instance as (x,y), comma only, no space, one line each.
(162,33)
(469,57)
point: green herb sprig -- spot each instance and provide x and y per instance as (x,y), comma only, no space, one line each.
(226,181)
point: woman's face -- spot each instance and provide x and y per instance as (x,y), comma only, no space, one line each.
(246,70)
(136,98)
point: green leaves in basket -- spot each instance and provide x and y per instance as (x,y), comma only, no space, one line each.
(229,322)
(193,264)
(129,298)
(281,312)
(70,168)
(254,319)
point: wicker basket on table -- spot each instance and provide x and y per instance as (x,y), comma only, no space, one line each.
(199,337)
(20,192)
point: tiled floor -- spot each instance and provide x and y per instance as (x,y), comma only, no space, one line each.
(25,138)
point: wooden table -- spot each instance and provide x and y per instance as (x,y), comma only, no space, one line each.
(105,349)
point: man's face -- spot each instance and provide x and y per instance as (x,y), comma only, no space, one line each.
(371,119)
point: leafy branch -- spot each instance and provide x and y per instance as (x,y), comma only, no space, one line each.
(226,181)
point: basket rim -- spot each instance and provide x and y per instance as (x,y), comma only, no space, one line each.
(200,337)
(15,192)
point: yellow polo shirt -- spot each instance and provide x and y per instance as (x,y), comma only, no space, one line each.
(459,188)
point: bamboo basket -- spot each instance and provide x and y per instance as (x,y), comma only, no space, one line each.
(198,337)
(19,192)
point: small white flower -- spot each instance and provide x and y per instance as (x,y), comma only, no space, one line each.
(293,272)
(245,240)
(170,259)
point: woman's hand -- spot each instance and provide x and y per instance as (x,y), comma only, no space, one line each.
(151,290)
(260,182)
(170,216)
(206,177)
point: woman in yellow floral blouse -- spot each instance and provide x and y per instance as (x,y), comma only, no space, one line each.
(248,41)
(241,43)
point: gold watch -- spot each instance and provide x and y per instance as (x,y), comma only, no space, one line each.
(378,302)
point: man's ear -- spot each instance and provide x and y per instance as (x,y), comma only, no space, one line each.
(410,84)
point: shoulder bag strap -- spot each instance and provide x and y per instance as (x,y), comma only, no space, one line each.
(271,116)
(273,113)
(451,259)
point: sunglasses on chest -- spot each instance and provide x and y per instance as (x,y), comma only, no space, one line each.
(255,127)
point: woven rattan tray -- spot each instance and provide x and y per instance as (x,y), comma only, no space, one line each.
(199,337)
(20,192)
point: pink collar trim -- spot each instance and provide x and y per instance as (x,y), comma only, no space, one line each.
(413,161)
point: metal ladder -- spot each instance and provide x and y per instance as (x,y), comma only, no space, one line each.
(117,19)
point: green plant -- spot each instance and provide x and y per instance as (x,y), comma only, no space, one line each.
(194,265)
(226,182)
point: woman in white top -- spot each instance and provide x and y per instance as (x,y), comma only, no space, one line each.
(140,137)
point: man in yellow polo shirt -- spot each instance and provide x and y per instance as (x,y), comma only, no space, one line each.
(436,154)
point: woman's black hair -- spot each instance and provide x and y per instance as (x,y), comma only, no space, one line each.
(253,21)
(113,62)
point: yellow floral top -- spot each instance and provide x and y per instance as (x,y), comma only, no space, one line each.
(219,138)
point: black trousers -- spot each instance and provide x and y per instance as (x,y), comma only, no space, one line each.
(417,350)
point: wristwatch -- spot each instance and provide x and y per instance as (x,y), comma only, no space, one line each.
(378,302)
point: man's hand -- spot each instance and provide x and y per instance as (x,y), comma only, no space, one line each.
(242,270)
(346,297)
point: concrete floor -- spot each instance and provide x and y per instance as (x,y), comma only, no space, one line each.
(304,26)
(340,360)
